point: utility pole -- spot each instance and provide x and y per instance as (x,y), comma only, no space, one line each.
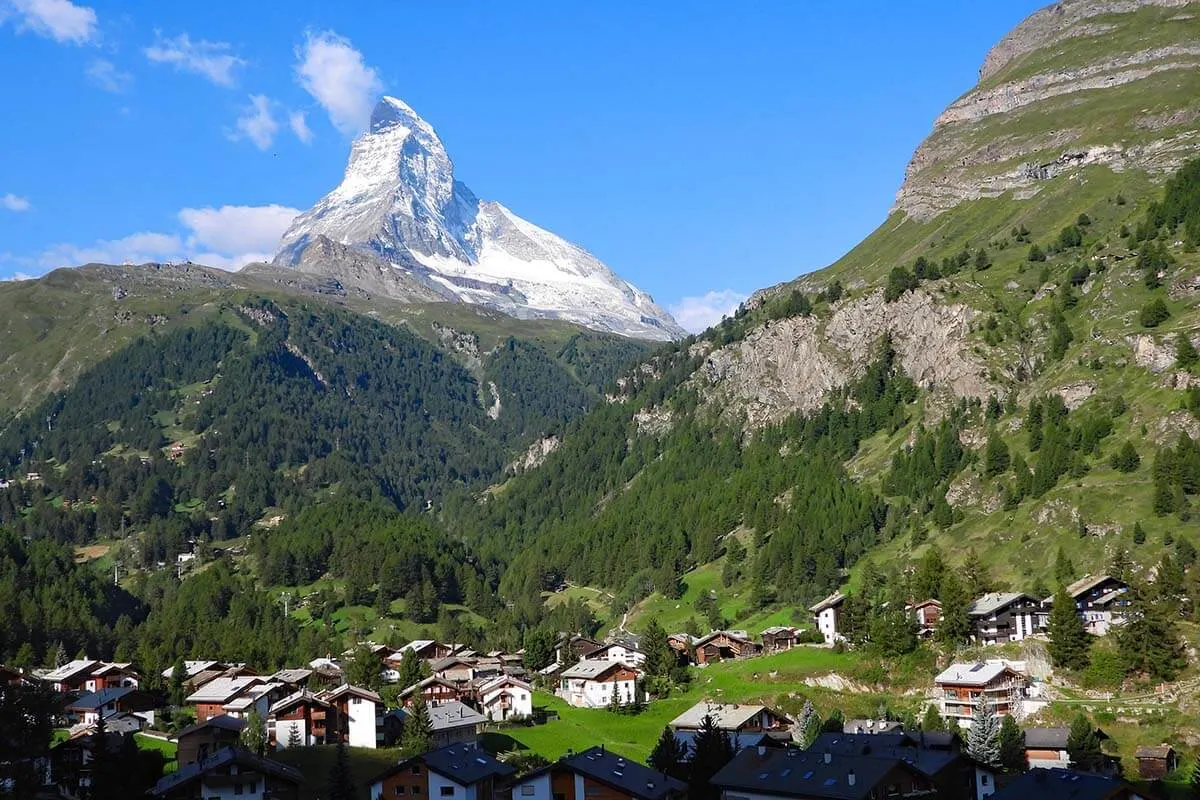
(286,597)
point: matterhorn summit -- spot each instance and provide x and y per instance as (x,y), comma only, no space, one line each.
(428,237)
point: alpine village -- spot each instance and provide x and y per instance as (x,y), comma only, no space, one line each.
(357,521)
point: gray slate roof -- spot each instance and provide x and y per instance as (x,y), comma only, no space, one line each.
(629,777)
(1059,784)
(222,758)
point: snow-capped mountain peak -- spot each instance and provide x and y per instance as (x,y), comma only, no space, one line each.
(399,200)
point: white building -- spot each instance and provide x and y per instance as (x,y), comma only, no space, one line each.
(360,715)
(619,651)
(595,684)
(505,697)
(827,614)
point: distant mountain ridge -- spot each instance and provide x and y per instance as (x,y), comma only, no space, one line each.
(429,237)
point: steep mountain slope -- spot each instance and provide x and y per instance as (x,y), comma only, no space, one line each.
(1047,326)
(429,237)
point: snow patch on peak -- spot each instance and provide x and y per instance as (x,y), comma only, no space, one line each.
(399,199)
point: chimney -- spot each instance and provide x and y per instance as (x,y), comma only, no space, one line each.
(828,757)
(850,778)
(762,751)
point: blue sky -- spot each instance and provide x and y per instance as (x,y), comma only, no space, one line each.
(702,150)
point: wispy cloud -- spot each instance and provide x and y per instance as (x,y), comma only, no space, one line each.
(256,123)
(696,314)
(105,75)
(299,126)
(12,202)
(338,78)
(212,60)
(237,229)
(60,20)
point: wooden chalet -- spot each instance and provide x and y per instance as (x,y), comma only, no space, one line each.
(725,645)
(313,720)
(1155,762)
(197,742)
(778,638)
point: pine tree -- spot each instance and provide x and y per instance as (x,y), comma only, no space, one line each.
(254,735)
(712,750)
(1120,565)
(412,670)
(977,579)
(927,579)
(835,722)
(417,736)
(954,626)
(1149,640)
(932,721)
(341,782)
(660,658)
(1083,746)
(1185,352)
(1126,459)
(1195,781)
(1069,642)
(983,739)
(1012,746)
(996,457)
(539,648)
(364,669)
(1064,570)
(1139,533)
(178,674)
(58,655)
(294,739)
(669,755)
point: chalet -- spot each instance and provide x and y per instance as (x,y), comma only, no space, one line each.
(424,649)
(326,672)
(1100,600)
(197,742)
(231,772)
(962,687)
(778,638)
(737,719)
(456,669)
(1155,762)
(1047,748)
(951,773)
(359,715)
(92,706)
(202,679)
(257,698)
(619,651)
(1056,784)
(302,717)
(505,697)
(113,676)
(598,684)
(725,645)
(433,690)
(193,668)
(1000,617)
(683,644)
(211,698)
(69,766)
(72,676)
(597,773)
(571,649)
(10,676)
(765,772)
(451,723)
(292,678)
(927,614)
(456,771)
(827,614)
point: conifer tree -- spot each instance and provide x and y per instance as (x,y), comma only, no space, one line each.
(712,750)
(1069,642)
(294,739)
(1195,781)
(1064,570)
(669,755)
(1012,745)
(341,782)
(364,669)
(996,456)
(254,736)
(1083,746)
(954,626)
(1149,640)
(808,725)
(983,739)
(417,736)
(660,658)
(932,721)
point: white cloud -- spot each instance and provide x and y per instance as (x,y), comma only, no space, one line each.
(695,314)
(299,126)
(336,75)
(257,123)
(12,202)
(19,276)
(228,238)
(210,59)
(105,74)
(60,20)
(237,229)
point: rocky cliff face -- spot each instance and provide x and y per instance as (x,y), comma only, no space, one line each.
(792,364)
(1082,82)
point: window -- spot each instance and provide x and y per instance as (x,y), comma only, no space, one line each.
(446,791)
(983,779)
(416,789)
(527,790)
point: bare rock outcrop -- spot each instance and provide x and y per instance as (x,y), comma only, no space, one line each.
(537,453)
(793,364)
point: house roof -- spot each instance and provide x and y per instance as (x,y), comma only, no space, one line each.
(1059,784)
(222,758)
(740,741)
(355,691)
(1085,584)
(302,696)
(223,722)
(72,669)
(592,669)
(291,675)
(417,646)
(421,684)
(120,667)
(871,726)
(502,680)
(978,674)
(898,746)
(1046,738)
(610,645)
(192,668)
(95,700)
(726,716)
(465,764)
(222,690)
(452,714)
(996,601)
(449,661)
(926,604)
(804,773)
(835,599)
(775,630)
(1161,751)
(627,776)
(741,636)
(1108,597)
